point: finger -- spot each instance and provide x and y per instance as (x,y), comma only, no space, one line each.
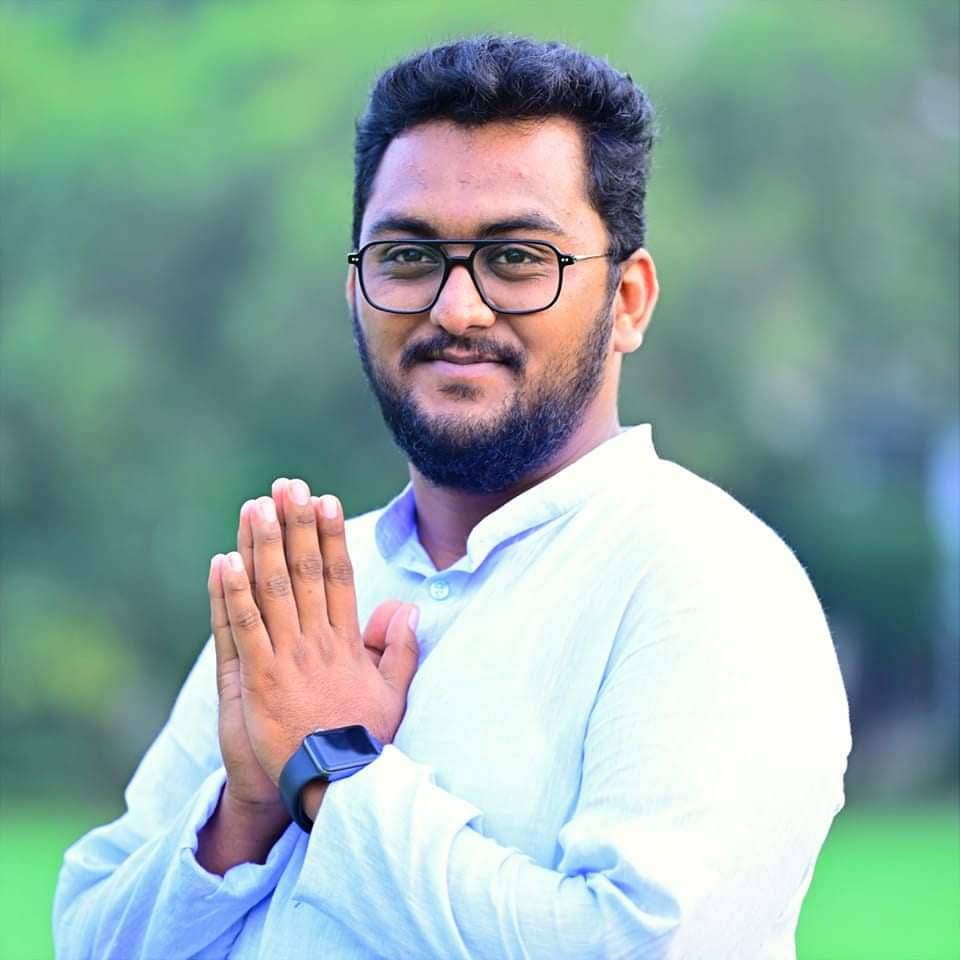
(245,542)
(277,491)
(302,545)
(375,632)
(226,652)
(402,654)
(247,629)
(245,533)
(337,569)
(274,588)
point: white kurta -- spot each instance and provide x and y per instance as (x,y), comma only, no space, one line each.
(626,738)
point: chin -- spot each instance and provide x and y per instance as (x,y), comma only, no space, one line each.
(451,409)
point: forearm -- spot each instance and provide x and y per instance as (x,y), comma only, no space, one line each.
(652,886)
(124,896)
(239,833)
(444,890)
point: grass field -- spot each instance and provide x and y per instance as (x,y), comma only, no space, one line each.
(887,885)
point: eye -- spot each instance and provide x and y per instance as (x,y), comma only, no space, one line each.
(409,255)
(518,262)
(515,256)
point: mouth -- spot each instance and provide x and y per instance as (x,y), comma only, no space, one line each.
(451,356)
(462,365)
(462,368)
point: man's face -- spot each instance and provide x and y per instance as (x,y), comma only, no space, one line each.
(482,428)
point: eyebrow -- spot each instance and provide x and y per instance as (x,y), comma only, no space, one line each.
(531,220)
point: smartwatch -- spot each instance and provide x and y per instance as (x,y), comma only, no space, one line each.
(325,755)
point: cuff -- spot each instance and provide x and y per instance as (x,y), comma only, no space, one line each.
(245,881)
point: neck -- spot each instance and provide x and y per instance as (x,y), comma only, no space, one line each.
(445,516)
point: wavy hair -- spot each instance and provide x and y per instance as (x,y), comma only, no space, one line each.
(482,79)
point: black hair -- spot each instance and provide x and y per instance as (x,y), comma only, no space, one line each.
(481,79)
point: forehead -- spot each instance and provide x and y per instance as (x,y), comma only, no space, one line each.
(459,178)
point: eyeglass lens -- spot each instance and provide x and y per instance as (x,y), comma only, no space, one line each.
(406,276)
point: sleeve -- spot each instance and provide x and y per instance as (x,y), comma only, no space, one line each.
(133,890)
(712,767)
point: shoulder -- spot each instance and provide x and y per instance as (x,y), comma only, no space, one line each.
(710,571)
(689,527)
(710,516)
(722,600)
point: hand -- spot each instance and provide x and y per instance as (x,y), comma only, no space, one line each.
(375,632)
(302,660)
(248,787)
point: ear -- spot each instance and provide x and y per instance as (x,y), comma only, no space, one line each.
(636,297)
(350,287)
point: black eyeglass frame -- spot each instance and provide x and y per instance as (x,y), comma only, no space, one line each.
(564,260)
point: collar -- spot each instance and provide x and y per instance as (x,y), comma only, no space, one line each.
(605,465)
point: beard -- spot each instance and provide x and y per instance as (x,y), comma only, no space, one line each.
(490,454)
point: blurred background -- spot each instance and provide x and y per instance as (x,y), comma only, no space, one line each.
(175,182)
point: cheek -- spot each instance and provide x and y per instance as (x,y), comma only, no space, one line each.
(550,353)
(381,336)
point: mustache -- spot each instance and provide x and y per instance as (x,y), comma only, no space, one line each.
(427,350)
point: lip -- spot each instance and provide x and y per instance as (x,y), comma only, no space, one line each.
(453,357)
(464,368)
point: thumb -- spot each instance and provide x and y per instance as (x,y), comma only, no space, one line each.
(374,633)
(402,652)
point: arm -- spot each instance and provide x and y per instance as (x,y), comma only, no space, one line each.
(198,849)
(133,889)
(250,816)
(712,767)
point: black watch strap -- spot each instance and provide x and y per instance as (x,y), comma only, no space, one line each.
(298,771)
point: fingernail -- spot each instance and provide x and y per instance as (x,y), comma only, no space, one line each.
(328,505)
(267,509)
(300,493)
(414,618)
(236,561)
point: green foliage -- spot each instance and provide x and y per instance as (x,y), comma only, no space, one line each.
(75,656)
(175,180)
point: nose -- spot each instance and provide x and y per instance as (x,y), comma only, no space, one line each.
(460,305)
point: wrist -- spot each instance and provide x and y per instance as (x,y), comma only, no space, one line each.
(312,796)
(239,832)
(253,811)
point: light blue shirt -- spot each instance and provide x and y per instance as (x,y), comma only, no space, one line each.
(626,738)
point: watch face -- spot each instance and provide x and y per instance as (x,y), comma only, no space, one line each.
(342,749)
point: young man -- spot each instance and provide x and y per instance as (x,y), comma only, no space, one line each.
(617,729)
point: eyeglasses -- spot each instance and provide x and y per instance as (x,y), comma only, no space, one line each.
(511,276)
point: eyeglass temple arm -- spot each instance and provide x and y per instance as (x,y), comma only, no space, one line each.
(569,259)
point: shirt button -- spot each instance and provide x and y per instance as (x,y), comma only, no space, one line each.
(439,589)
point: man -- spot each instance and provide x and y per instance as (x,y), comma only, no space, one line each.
(617,728)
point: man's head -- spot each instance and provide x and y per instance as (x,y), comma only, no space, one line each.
(502,138)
